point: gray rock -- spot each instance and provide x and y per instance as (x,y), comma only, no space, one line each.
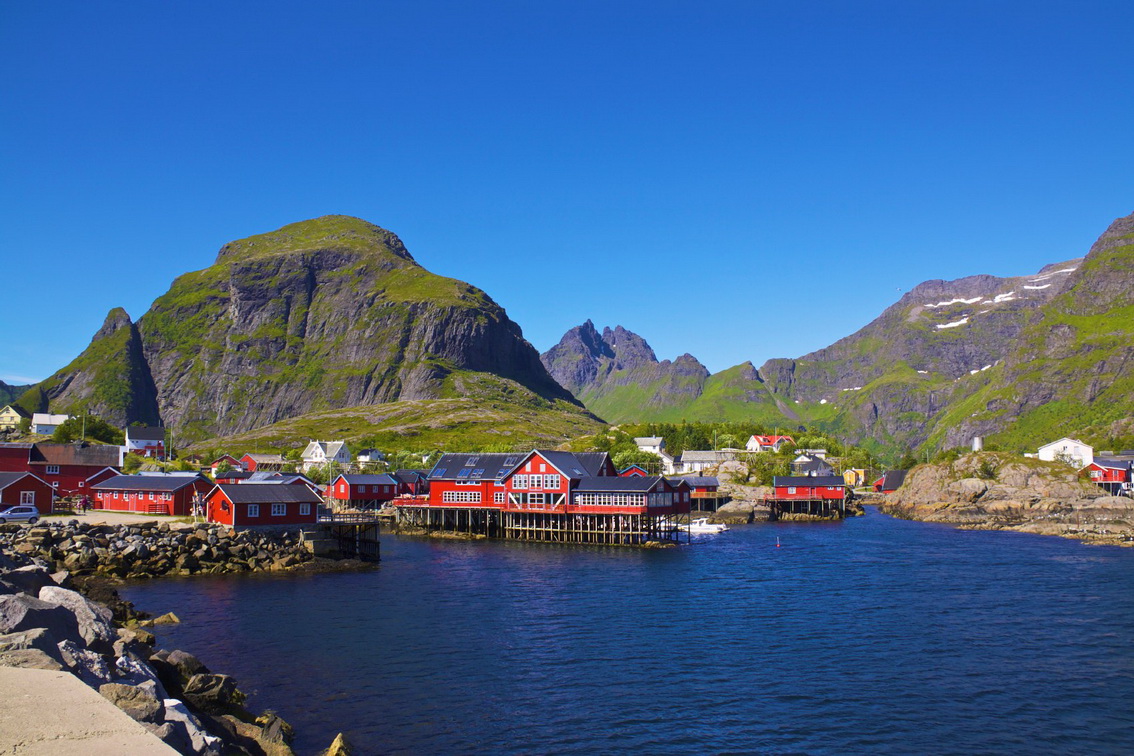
(134,671)
(19,611)
(201,741)
(88,666)
(62,578)
(215,694)
(29,658)
(969,489)
(141,705)
(38,638)
(29,579)
(95,621)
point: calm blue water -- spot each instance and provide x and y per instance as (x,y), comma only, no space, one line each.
(870,636)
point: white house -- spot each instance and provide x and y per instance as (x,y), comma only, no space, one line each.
(1069,450)
(696,461)
(371,455)
(767,443)
(147,441)
(320,452)
(650,444)
(46,424)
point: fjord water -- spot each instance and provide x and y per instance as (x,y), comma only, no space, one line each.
(873,635)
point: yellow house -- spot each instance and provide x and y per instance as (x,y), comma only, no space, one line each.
(854,476)
(10,417)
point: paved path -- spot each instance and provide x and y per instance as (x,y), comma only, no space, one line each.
(45,713)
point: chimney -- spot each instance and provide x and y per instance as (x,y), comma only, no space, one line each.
(978,443)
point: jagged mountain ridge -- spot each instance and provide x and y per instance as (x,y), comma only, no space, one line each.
(1016,359)
(331,312)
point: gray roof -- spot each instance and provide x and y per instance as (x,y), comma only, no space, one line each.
(701,480)
(707,456)
(147,483)
(649,441)
(1116,464)
(233,475)
(893,480)
(609,483)
(474,466)
(268,493)
(368,480)
(145,434)
(814,467)
(8,478)
(93,455)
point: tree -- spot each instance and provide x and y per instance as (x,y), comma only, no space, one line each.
(132,463)
(93,426)
(223,467)
(630,457)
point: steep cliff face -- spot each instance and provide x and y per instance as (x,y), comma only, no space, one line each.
(110,378)
(617,375)
(10,393)
(322,314)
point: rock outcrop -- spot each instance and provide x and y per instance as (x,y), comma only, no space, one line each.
(995,491)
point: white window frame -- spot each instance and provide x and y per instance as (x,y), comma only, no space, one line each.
(253,511)
(460,497)
(304,508)
(791,489)
(279,509)
(27,498)
(519,482)
(51,470)
(499,497)
(537,498)
(551,482)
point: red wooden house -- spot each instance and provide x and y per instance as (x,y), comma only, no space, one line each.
(412,482)
(15,457)
(24,488)
(254,462)
(362,491)
(262,505)
(232,462)
(1109,474)
(73,468)
(152,493)
(890,482)
(810,488)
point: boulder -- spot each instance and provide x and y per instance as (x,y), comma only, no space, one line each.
(141,705)
(37,638)
(969,489)
(29,579)
(18,611)
(29,658)
(62,578)
(201,742)
(88,666)
(215,694)
(95,621)
(133,671)
(339,747)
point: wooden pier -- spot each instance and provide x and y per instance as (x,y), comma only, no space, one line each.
(817,509)
(353,535)
(547,526)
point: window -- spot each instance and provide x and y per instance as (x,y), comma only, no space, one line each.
(279,510)
(519,482)
(27,497)
(536,498)
(52,470)
(461,497)
(511,461)
(439,472)
(167,496)
(498,497)
(791,489)
(551,481)
(463,473)
(471,461)
(361,488)
(81,484)
(305,509)
(479,472)
(253,510)
(116,494)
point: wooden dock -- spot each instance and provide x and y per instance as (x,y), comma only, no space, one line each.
(354,535)
(547,526)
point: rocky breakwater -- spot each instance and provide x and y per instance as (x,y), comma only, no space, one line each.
(59,611)
(996,491)
(148,550)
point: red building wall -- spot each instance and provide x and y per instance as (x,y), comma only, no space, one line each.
(44,494)
(811,492)
(220,509)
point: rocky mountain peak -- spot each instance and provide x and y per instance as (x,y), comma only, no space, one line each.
(330,233)
(115,319)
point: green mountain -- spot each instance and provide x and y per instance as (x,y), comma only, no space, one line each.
(9,393)
(317,316)
(1020,360)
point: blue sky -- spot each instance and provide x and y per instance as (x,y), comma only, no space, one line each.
(737,180)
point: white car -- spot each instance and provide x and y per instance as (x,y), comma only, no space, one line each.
(28,514)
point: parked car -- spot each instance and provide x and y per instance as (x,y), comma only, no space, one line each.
(19,512)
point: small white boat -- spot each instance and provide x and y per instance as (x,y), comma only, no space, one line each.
(702,525)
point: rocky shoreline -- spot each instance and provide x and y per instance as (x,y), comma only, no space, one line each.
(996,491)
(59,611)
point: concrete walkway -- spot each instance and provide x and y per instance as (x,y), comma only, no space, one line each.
(54,713)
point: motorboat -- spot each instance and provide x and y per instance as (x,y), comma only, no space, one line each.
(702,525)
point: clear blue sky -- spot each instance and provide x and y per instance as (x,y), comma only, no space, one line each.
(739,180)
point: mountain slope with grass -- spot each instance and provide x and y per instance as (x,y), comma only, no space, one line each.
(317,316)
